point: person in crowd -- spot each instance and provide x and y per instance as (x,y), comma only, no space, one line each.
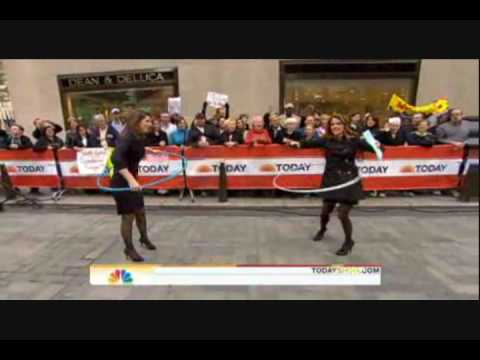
(157,137)
(166,124)
(82,138)
(71,133)
(356,125)
(258,135)
(221,125)
(322,128)
(180,136)
(341,148)
(289,108)
(117,121)
(309,120)
(309,133)
(318,121)
(372,123)
(130,204)
(411,125)
(221,112)
(48,140)
(40,125)
(104,135)
(231,136)
(16,140)
(290,133)
(266,120)
(275,130)
(393,134)
(421,137)
(203,134)
(242,125)
(3,137)
(455,132)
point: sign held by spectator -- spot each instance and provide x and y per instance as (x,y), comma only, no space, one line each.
(216,100)
(91,161)
(175,105)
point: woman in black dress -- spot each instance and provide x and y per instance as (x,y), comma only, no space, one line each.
(341,148)
(125,158)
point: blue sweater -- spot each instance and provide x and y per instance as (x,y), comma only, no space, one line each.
(178,137)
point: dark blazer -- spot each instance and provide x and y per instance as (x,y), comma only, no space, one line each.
(153,139)
(236,136)
(112,136)
(386,138)
(295,136)
(276,134)
(211,133)
(414,138)
(24,142)
(77,141)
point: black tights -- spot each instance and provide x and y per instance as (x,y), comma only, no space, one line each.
(127,227)
(343,215)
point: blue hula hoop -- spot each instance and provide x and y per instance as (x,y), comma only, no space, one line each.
(148,185)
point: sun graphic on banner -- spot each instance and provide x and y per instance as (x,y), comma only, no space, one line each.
(120,276)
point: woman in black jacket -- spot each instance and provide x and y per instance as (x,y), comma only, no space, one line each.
(48,140)
(341,149)
(130,205)
(40,126)
(157,137)
(373,124)
(82,138)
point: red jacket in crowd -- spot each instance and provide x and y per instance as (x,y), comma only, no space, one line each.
(260,136)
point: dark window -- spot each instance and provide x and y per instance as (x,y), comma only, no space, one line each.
(347,86)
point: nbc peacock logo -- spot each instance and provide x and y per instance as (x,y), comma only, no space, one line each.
(120,277)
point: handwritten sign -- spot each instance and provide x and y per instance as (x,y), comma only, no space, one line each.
(216,100)
(91,161)
(175,105)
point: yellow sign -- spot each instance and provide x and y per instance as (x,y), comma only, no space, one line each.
(399,105)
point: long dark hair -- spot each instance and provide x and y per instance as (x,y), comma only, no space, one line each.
(347,132)
(133,120)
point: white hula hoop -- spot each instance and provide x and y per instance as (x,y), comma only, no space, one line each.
(316,191)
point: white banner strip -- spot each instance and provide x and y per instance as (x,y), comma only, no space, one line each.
(116,275)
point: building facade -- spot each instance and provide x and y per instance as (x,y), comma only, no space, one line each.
(56,89)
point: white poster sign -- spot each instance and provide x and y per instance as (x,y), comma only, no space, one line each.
(216,100)
(91,161)
(175,105)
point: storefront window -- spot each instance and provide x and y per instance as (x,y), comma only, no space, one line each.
(84,95)
(348,87)
(6,110)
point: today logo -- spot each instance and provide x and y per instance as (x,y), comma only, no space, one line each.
(285,167)
(381,169)
(148,169)
(215,168)
(26,169)
(432,168)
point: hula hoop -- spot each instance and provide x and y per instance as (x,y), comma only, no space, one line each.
(148,185)
(315,191)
